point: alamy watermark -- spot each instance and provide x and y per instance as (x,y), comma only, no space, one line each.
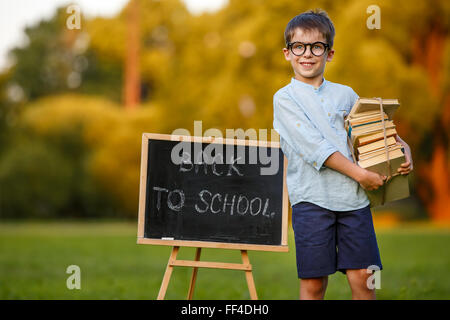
(74,280)
(74,19)
(219,153)
(374,20)
(374,281)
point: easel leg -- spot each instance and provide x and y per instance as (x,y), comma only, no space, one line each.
(167,274)
(194,275)
(249,276)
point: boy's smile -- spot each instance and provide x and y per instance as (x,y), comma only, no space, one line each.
(308,68)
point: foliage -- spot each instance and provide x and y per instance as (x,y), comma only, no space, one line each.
(56,60)
(29,191)
(103,144)
(222,68)
(49,162)
(116,163)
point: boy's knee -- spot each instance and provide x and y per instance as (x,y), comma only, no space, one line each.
(315,285)
(359,275)
(357,279)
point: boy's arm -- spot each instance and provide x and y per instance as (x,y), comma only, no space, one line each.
(367,179)
(307,141)
(299,133)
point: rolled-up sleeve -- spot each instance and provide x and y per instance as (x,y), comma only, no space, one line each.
(299,132)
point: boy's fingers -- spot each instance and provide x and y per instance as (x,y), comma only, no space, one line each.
(404,171)
(405,164)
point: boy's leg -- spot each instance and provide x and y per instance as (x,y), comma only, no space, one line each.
(357,250)
(313,288)
(315,243)
(357,279)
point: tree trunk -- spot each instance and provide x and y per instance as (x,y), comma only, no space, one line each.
(132,90)
(428,52)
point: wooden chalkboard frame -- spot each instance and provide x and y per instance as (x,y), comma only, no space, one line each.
(207,244)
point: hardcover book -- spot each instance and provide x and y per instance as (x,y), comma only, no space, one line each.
(371,134)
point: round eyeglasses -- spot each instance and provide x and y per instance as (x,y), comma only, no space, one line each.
(317,48)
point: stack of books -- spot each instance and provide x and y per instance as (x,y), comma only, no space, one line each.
(364,125)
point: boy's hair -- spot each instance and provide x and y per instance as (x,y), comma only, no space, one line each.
(309,20)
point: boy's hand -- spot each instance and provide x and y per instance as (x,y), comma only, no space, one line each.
(370,180)
(367,179)
(407,166)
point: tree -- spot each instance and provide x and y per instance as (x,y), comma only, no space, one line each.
(56,59)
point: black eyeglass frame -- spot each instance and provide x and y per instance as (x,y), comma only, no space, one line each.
(326,45)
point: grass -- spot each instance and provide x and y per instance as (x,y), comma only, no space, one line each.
(34,257)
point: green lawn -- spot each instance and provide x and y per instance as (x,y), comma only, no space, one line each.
(34,258)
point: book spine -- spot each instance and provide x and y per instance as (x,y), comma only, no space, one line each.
(364,124)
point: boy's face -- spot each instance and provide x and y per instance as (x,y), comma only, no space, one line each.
(308,67)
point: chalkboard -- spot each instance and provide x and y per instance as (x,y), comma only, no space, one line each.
(212,192)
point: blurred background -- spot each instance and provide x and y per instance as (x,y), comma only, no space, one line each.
(74,102)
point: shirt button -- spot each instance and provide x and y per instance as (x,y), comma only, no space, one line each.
(329,114)
(298,124)
(321,100)
(314,164)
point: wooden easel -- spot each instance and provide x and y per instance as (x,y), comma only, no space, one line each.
(173,262)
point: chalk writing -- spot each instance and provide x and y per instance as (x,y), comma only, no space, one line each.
(216,203)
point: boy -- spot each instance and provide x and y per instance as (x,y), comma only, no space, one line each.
(331,214)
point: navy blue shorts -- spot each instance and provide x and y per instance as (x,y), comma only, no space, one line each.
(328,241)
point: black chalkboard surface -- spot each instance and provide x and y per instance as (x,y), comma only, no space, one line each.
(212,193)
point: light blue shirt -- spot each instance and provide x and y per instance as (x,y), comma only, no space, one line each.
(307,148)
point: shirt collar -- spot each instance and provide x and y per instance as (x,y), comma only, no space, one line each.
(299,83)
